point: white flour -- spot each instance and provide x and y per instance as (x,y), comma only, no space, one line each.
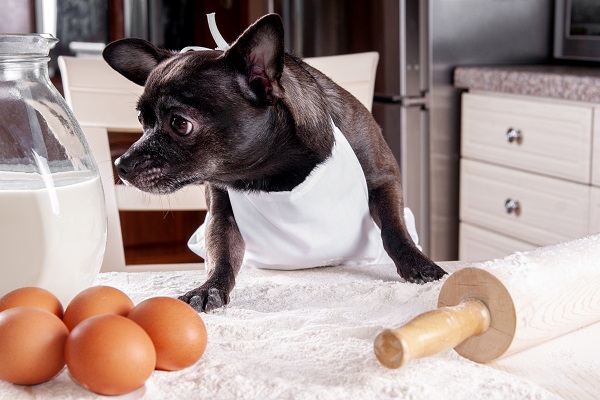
(304,334)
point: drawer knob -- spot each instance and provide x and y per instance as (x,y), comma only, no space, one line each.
(513,135)
(512,206)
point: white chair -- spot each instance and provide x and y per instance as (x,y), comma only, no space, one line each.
(353,72)
(103,101)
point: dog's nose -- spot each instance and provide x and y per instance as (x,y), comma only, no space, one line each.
(122,168)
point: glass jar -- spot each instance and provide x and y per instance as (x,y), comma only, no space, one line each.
(52,213)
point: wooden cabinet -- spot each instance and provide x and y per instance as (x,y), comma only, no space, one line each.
(530,207)
(596,149)
(595,209)
(521,133)
(483,244)
(530,173)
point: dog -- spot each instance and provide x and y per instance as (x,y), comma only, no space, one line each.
(256,122)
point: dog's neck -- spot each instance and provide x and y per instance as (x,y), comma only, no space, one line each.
(290,160)
(282,182)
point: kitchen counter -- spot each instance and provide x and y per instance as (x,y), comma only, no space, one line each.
(309,334)
(559,82)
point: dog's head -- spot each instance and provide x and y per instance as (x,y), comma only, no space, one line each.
(204,113)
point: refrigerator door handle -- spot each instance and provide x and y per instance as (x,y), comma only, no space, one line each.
(421,101)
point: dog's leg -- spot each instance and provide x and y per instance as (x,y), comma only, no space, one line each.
(387,211)
(225,252)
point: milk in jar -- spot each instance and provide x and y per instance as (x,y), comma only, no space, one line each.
(53,237)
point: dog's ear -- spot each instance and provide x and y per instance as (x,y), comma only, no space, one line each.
(258,53)
(134,58)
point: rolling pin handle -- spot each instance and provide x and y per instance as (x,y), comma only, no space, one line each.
(432,333)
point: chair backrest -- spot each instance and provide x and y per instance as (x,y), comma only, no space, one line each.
(104,101)
(353,72)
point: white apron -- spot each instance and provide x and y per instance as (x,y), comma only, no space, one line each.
(324,221)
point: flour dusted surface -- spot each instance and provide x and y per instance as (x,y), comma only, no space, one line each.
(304,334)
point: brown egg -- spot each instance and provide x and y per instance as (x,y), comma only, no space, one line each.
(109,354)
(32,343)
(96,300)
(176,329)
(32,297)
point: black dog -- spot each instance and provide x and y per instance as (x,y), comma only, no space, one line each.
(253,120)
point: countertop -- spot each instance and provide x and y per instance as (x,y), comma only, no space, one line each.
(308,334)
(552,81)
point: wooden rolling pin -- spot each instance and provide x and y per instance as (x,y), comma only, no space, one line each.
(503,306)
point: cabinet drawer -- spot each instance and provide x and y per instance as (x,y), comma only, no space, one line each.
(595,210)
(554,138)
(477,244)
(549,210)
(596,149)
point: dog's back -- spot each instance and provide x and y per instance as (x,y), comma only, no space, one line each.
(313,98)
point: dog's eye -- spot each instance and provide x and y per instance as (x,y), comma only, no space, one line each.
(180,125)
(140,117)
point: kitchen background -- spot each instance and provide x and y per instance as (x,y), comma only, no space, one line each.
(420,43)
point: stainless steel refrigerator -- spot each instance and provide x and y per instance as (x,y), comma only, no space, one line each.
(420,43)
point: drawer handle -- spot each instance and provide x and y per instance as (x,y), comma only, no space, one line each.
(514,135)
(512,206)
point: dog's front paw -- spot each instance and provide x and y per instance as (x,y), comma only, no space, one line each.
(206,298)
(420,270)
